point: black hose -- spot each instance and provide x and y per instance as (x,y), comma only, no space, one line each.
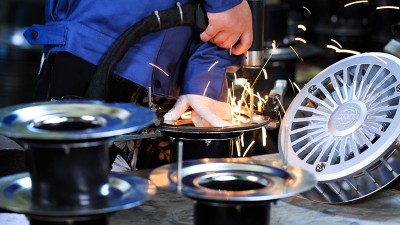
(192,15)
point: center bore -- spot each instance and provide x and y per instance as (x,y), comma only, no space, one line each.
(67,123)
(232,182)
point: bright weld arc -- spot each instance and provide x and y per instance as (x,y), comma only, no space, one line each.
(159,69)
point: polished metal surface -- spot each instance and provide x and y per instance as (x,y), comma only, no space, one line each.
(253,59)
(271,182)
(125,191)
(343,127)
(72,120)
(170,128)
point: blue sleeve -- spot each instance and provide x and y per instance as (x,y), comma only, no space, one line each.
(205,71)
(215,6)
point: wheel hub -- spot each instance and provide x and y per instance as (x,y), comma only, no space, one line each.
(347,118)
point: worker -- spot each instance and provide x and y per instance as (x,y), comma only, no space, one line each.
(175,62)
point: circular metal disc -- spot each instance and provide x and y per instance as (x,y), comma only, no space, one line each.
(125,191)
(343,127)
(275,183)
(211,133)
(72,120)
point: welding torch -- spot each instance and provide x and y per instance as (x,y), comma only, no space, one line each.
(253,60)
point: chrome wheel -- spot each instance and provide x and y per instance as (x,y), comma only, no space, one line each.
(343,127)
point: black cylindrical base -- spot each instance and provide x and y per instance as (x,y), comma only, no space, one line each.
(98,220)
(217,213)
(69,175)
(198,149)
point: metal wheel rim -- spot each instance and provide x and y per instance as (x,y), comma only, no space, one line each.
(342,127)
(108,119)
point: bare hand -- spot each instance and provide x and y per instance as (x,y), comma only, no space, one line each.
(206,111)
(226,28)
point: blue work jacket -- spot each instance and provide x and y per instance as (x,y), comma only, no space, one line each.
(88,28)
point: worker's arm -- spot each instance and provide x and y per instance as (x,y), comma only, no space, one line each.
(204,86)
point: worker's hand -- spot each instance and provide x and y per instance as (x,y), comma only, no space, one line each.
(226,28)
(206,111)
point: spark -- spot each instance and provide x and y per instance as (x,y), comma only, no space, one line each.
(342,50)
(301,26)
(337,43)
(264,64)
(387,7)
(274,45)
(307,9)
(242,140)
(159,69)
(213,65)
(251,108)
(229,94)
(186,115)
(205,90)
(259,97)
(265,74)
(297,87)
(248,148)
(356,2)
(280,104)
(301,59)
(291,83)
(238,147)
(248,90)
(264,136)
(300,39)
(260,102)
(379,58)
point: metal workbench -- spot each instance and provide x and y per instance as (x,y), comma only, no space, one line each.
(168,208)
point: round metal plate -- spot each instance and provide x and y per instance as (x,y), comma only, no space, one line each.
(273,183)
(343,127)
(211,133)
(125,191)
(72,120)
